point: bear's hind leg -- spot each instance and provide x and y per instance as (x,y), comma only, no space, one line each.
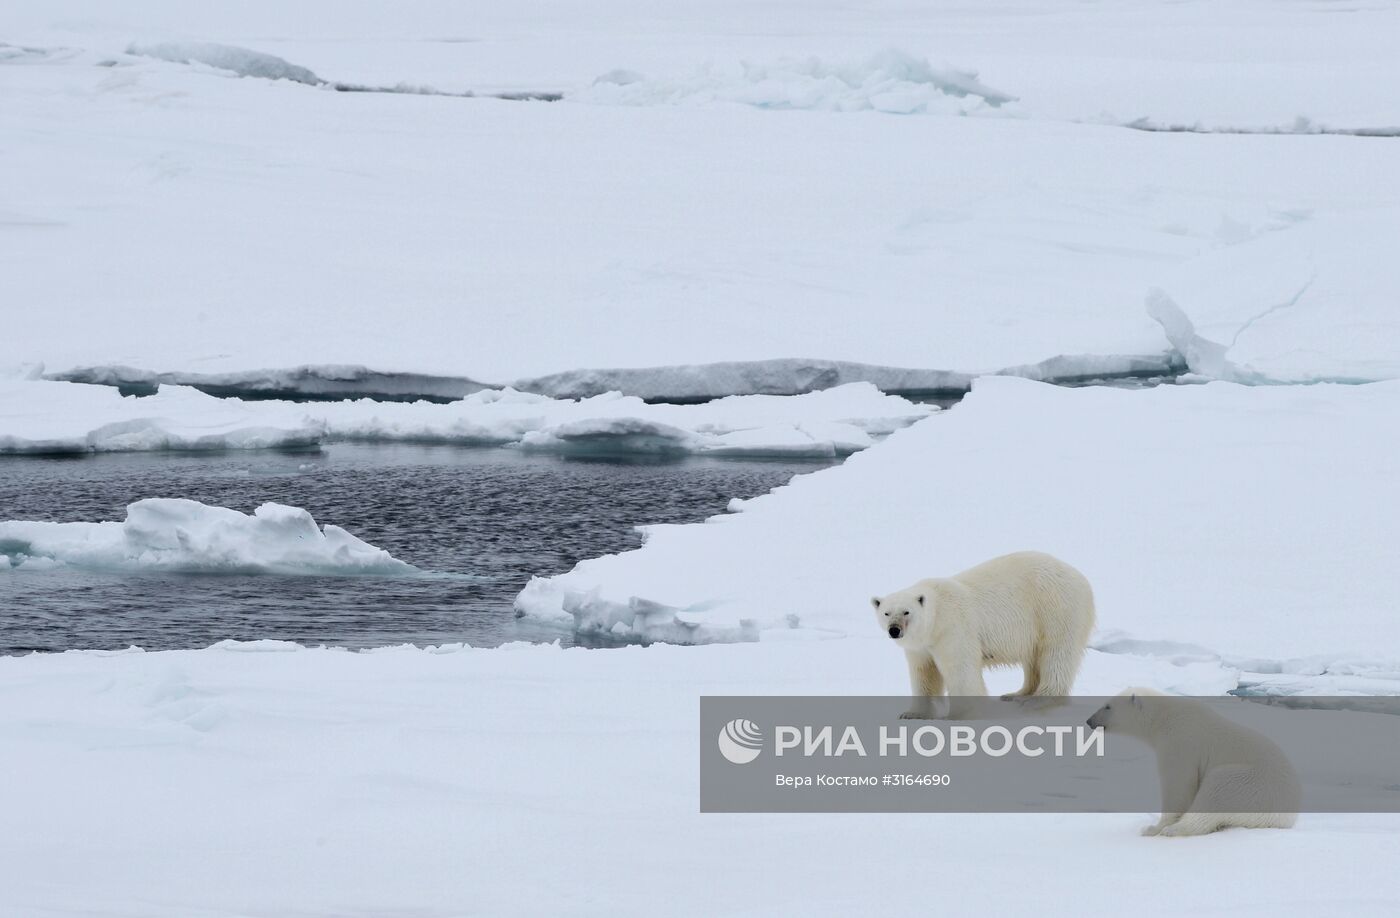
(1057,666)
(1029,683)
(1231,796)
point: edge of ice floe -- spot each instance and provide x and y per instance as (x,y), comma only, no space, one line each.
(796,376)
(309,382)
(678,384)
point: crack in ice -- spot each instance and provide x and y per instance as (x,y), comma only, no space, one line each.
(248,63)
(1277,307)
(1300,128)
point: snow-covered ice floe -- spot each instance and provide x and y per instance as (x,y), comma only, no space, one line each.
(170,534)
(828,423)
(305,761)
(38,416)
(41,416)
(831,422)
(966,245)
(1252,521)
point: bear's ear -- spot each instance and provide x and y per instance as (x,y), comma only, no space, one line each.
(921,599)
(875,601)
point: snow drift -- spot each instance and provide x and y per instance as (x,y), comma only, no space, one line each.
(176,535)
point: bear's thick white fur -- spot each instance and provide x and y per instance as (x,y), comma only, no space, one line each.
(1215,773)
(1027,609)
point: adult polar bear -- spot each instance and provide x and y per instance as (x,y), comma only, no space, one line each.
(1215,773)
(1026,608)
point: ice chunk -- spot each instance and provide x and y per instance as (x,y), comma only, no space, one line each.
(613,435)
(639,620)
(1203,357)
(168,534)
(801,440)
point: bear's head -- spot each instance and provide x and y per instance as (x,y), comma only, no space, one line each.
(898,614)
(1125,712)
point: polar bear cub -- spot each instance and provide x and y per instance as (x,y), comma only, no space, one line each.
(1027,609)
(1215,773)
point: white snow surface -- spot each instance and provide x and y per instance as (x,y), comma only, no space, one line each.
(265,779)
(41,416)
(496,241)
(174,534)
(1218,515)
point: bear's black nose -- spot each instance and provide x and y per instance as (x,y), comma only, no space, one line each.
(894,631)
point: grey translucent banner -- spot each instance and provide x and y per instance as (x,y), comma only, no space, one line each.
(777,754)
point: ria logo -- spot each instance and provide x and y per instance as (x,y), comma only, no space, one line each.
(740,741)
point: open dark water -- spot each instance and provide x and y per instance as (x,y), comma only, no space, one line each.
(495,515)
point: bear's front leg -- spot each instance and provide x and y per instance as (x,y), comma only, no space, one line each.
(962,669)
(1157,827)
(925,684)
(1194,824)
